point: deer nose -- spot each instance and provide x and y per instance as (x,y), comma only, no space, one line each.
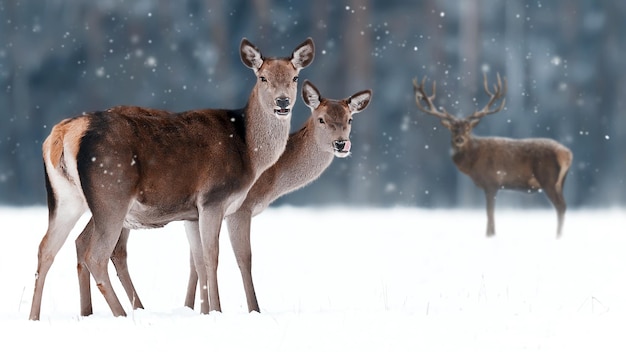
(282,103)
(341,148)
(341,145)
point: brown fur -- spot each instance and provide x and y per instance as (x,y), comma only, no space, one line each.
(308,153)
(136,167)
(496,163)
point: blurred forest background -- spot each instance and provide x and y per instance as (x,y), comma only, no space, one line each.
(564,61)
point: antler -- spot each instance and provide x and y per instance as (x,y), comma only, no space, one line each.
(498,92)
(420,94)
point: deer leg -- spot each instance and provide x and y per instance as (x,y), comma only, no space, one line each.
(210,222)
(490,196)
(239,231)
(197,269)
(99,248)
(84,277)
(60,224)
(558,201)
(119,259)
(192,283)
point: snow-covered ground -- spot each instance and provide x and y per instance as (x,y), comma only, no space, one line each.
(341,279)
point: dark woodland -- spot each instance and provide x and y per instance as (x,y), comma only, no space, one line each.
(563,60)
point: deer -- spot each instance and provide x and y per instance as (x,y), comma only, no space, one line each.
(495,163)
(309,152)
(135,168)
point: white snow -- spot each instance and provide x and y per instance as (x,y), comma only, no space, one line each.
(343,279)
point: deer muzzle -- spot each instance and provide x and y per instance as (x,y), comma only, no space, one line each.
(341,148)
(282,107)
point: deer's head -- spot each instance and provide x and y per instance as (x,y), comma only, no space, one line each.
(332,119)
(460,128)
(277,84)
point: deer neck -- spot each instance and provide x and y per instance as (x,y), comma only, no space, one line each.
(266,135)
(465,157)
(302,162)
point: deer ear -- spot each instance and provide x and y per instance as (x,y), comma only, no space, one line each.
(473,122)
(303,55)
(311,95)
(446,123)
(359,101)
(250,55)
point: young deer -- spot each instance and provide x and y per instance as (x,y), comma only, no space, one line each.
(308,153)
(495,163)
(138,168)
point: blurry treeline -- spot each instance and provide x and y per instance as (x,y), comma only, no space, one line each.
(563,61)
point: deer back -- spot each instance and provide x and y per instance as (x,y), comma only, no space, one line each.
(517,164)
(166,164)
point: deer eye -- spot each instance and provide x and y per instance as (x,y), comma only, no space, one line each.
(263,79)
(295,79)
(321,120)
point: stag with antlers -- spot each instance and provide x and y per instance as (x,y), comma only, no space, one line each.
(496,163)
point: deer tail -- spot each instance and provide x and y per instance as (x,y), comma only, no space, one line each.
(564,159)
(59,156)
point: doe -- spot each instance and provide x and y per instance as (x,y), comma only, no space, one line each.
(140,168)
(309,151)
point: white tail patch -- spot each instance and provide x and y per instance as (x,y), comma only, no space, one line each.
(59,151)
